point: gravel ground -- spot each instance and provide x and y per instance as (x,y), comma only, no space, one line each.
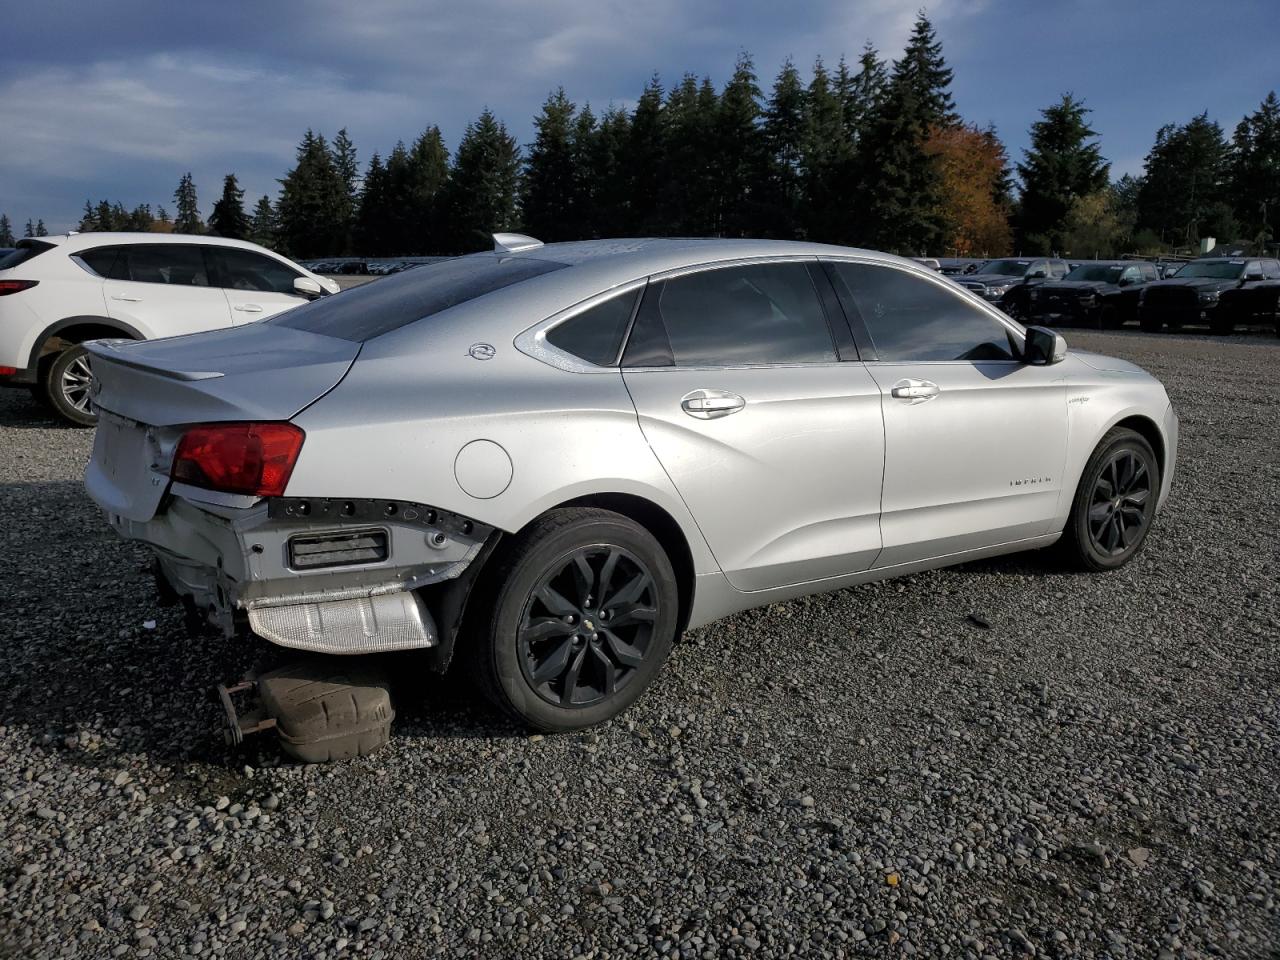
(996,760)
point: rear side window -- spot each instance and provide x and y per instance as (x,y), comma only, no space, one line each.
(27,249)
(174,264)
(1148,272)
(102,261)
(595,335)
(246,270)
(765,313)
(1271,269)
(372,309)
(913,319)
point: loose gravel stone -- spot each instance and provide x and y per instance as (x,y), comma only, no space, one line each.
(1044,763)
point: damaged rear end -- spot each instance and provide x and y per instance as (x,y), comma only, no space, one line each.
(193,453)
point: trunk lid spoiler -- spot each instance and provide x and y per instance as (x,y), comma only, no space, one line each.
(255,372)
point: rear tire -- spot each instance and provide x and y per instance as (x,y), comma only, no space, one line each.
(1114,504)
(66,386)
(577,619)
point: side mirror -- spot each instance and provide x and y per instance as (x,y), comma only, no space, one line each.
(1123,282)
(1037,274)
(1043,347)
(307,287)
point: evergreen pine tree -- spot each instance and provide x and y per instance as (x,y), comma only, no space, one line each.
(685,196)
(862,92)
(924,72)
(30,230)
(6,231)
(262,228)
(313,199)
(88,219)
(549,188)
(1061,165)
(105,217)
(347,165)
(1255,171)
(481,191)
(583,216)
(740,170)
(162,215)
(784,133)
(140,219)
(40,229)
(371,217)
(643,162)
(188,218)
(1185,191)
(423,224)
(228,218)
(826,159)
(609,169)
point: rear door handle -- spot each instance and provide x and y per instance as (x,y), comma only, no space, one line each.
(711,404)
(126,299)
(248,308)
(914,391)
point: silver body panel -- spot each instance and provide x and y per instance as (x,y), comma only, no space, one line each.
(823,477)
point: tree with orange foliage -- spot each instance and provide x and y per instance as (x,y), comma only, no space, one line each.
(972,166)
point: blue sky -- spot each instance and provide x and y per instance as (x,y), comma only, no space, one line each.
(118,98)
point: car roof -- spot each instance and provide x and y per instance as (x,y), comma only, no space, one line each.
(78,241)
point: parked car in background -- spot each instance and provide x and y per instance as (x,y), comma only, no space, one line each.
(958,266)
(57,292)
(1099,293)
(556,458)
(1219,292)
(1007,282)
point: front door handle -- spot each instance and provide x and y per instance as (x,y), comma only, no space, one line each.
(914,391)
(126,299)
(711,404)
(248,308)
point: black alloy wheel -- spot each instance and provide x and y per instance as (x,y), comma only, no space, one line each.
(1118,511)
(587,626)
(1114,504)
(575,618)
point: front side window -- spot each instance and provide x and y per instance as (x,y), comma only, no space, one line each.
(1253,271)
(169,263)
(766,313)
(913,319)
(246,270)
(1130,275)
(595,335)
(1057,270)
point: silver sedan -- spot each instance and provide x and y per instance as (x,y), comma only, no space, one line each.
(551,460)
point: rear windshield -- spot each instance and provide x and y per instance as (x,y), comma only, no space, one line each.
(373,309)
(26,250)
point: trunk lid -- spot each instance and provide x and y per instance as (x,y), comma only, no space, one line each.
(148,392)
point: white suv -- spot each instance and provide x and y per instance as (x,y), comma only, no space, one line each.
(58,292)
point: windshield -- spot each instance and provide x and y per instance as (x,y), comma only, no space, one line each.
(1107,272)
(1006,268)
(373,309)
(1214,269)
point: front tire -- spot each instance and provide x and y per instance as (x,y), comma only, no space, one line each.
(579,616)
(1150,324)
(66,386)
(1114,504)
(1109,318)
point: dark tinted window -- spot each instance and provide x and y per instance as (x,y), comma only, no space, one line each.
(246,270)
(373,309)
(25,251)
(595,335)
(102,260)
(911,318)
(1271,269)
(1253,270)
(760,314)
(170,263)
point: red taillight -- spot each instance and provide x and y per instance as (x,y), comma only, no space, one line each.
(15,286)
(250,458)
(8,371)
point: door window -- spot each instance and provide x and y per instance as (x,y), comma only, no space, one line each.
(1271,269)
(169,263)
(1130,275)
(767,313)
(246,270)
(1253,270)
(595,334)
(913,319)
